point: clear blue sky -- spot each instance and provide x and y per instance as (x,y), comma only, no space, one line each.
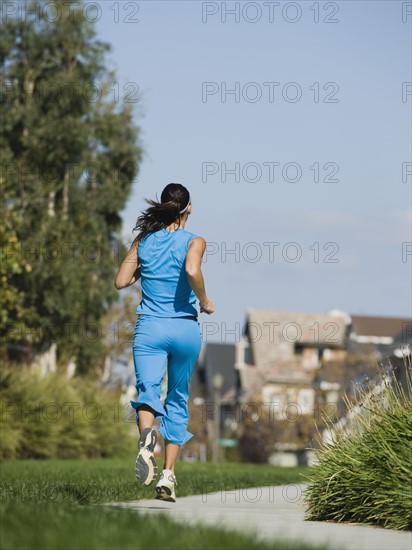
(190,139)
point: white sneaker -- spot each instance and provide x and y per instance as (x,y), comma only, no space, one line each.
(165,487)
(146,466)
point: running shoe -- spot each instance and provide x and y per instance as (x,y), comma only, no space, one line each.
(146,466)
(165,487)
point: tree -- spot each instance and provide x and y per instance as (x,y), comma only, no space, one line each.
(118,325)
(70,154)
(12,298)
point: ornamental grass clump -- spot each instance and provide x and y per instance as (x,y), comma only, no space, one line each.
(364,471)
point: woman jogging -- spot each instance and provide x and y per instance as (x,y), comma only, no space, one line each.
(167,258)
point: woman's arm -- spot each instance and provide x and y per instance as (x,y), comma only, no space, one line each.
(197,247)
(129,271)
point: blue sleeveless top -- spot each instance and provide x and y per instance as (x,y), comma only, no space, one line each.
(165,289)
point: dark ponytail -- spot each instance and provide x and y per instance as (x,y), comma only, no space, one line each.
(174,198)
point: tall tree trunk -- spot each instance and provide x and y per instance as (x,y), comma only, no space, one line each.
(66,194)
(50,206)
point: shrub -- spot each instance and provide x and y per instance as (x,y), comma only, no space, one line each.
(364,474)
(53,417)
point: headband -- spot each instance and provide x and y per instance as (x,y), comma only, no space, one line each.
(185,208)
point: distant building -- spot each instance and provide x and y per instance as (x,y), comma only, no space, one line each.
(293,361)
(217,359)
(284,351)
(392,350)
(387,339)
(378,333)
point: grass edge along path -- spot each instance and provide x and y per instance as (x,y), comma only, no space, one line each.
(93,481)
(101,527)
(55,501)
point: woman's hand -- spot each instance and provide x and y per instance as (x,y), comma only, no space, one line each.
(207,307)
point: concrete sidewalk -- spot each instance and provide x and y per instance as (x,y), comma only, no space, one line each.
(273,513)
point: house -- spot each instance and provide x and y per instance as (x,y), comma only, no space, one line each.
(216,385)
(295,365)
(399,356)
(283,352)
(378,333)
(395,371)
(383,341)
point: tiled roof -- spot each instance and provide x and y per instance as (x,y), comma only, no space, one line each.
(391,327)
(273,335)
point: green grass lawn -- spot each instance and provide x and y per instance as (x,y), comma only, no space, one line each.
(48,504)
(107,480)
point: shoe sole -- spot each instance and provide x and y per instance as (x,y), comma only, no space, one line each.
(146,466)
(164,493)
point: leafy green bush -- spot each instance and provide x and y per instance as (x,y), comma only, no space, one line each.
(53,417)
(364,474)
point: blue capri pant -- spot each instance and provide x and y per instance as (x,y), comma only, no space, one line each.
(157,341)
